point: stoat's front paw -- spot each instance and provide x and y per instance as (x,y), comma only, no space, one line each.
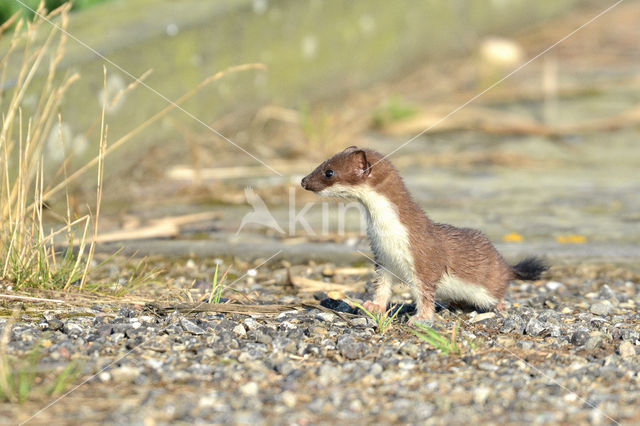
(373,307)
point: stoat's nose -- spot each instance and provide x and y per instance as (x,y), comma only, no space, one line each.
(304,182)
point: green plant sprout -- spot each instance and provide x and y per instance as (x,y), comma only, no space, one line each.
(20,378)
(393,110)
(217,287)
(436,340)
(382,319)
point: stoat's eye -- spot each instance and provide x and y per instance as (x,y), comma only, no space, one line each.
(328,173)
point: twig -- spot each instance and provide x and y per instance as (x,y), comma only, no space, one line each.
(31,299)
(232,308)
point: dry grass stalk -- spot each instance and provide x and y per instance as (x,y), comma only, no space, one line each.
(28,255)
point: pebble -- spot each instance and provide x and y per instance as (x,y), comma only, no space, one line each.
(534,327)
(627,350)
(487,366)
(338,306)
(579,338)
(191,327)
(310,365)
(72,329)
(251,324)
(363,322)
(410,349)
(250,389)
(124,374)
(483,317)
(481,394)
(289,399)
(600,309)
(513,324)
(351,347)
(55,324)
(593,342)
(326,316)
(554,285)
(239,331)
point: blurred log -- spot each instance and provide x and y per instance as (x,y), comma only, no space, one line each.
(167,227)
(233,308)
(501,122)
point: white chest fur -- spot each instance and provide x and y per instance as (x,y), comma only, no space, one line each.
(388,236)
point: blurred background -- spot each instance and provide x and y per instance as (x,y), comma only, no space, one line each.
(545,160)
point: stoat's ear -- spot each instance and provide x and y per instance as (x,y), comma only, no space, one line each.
(350,149)
(362,164)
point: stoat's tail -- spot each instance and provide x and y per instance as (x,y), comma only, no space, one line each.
(529,268)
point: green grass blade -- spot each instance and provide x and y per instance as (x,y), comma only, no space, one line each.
(214,287)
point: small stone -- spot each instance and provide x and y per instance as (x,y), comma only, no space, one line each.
(262,337)
(249,389)
(600,309)
(104,376)
(363,322)
(72,329)
(481,394)
(554,285)
(579,338)
(124,374)
(376,369)
(485,316)
(326,316)
(525,344)
(407,364)
(55,324)
(410,349)
(252,324)
(351,347)
(593,342)
(289,399)
(607,293)
(328,374)
(155,364)
(627,350)
(190,327)
(239,331)
(514,324)
(535,327)
(338,306)
(486,366)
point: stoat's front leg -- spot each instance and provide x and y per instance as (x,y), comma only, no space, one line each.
(382,292)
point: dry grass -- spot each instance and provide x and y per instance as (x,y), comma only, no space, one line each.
(29,257)
(32,252)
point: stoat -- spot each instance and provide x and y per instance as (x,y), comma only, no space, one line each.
(437,261)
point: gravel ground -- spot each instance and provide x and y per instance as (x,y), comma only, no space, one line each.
(564,351)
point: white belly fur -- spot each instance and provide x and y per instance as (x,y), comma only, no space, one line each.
(452,288)
(388,236)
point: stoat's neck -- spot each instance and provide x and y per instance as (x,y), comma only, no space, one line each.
(393,189)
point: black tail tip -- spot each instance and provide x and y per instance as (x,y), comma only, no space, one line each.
(530,268)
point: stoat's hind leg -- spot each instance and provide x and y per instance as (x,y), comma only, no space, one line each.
(425,302)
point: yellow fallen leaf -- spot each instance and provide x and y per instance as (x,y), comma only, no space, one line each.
(336,294)
(512,237)
(571,239)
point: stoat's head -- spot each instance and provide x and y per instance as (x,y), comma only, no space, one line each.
(341,175)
